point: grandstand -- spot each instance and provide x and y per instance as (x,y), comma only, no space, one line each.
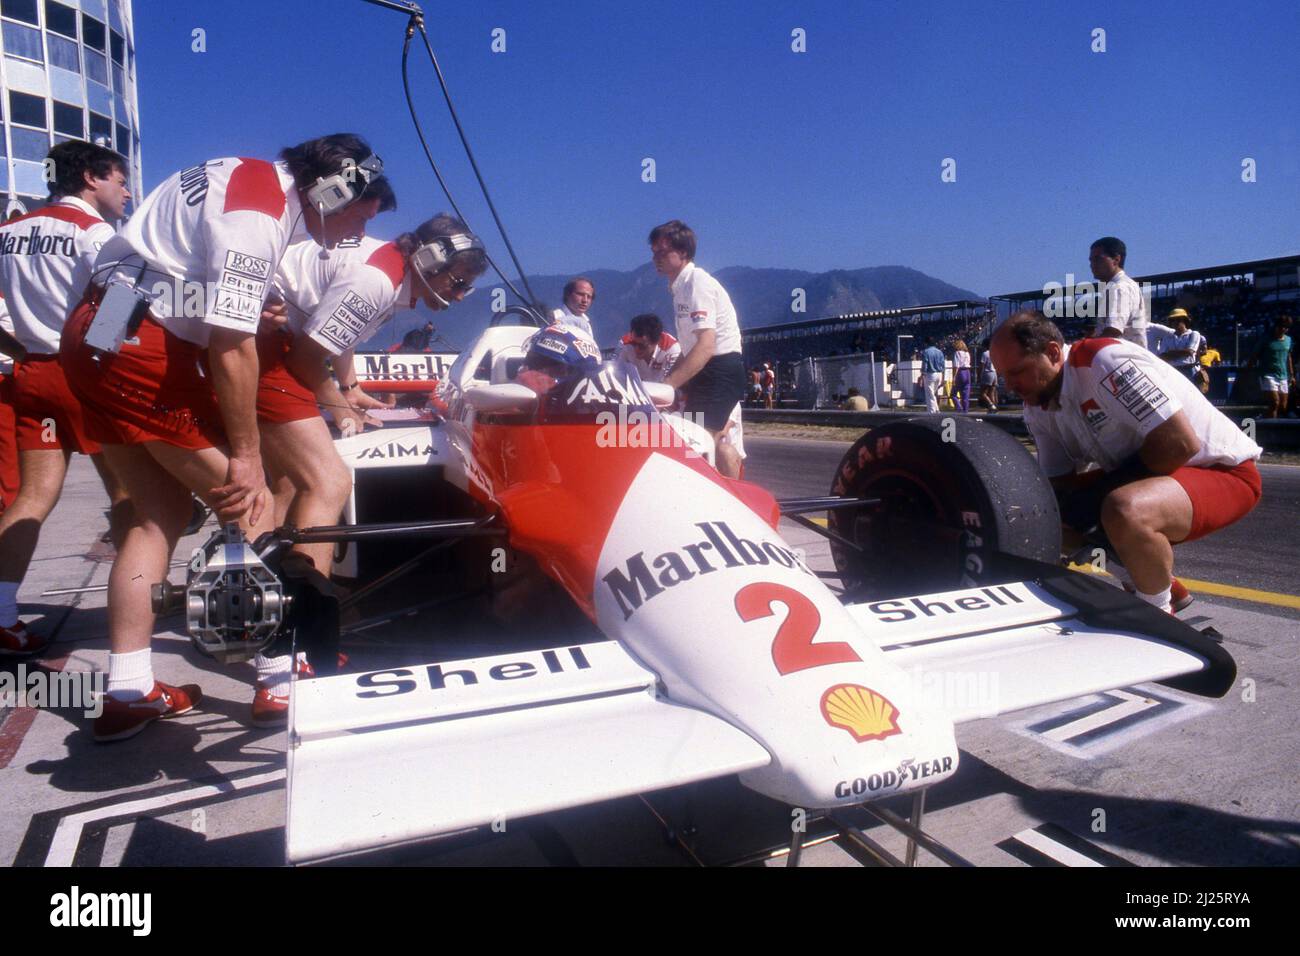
(1231,305)
(862,331)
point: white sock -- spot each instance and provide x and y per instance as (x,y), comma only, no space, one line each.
(274,673)
(1162,600)
(8,603)
(130,676)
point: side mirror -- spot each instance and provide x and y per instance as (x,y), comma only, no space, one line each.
(505,399)
(662,395)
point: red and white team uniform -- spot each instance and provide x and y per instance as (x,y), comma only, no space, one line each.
(1113,394)
(46,259)
(338,302)
(8,437)
(665,356)
(204,246)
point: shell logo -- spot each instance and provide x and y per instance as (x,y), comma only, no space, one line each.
(861,711)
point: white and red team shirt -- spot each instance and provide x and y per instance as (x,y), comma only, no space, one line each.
(341,301)
(46,261)
(1122,307)
(1113,395)
(6,323)
(700,302)
(209,240)
(665,356)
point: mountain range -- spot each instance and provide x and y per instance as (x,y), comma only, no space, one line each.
(761,297)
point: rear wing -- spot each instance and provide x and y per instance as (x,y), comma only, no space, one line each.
(401,755)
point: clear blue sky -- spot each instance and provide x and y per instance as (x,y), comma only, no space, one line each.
(819,160)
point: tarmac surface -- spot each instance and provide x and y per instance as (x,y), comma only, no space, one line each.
(1145,776)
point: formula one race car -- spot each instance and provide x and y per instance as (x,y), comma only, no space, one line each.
(716,648)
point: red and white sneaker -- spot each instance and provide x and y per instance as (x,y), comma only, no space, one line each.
(270,710)
(1180,599)
(305,670)
(17,641)
(126,718)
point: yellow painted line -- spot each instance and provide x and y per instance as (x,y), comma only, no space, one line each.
(1201,587)
(1221,590)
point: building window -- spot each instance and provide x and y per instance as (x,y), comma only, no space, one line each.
(24,10)
(101,127)
(118,47)
(123,139)
(60,19)
(69,119)
(30,144)
(93,33)
(119,80)
(63,53)
(96,67)
(24,42)
(27,109)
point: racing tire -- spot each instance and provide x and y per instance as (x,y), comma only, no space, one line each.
(957,498)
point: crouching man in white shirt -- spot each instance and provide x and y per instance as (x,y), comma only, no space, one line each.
(1129,444)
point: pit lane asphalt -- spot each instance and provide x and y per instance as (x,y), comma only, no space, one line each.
(1201,782)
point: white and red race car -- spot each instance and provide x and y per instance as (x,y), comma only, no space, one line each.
(717,649)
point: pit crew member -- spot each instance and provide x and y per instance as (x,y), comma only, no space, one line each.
(579,293)
(647,346)
(198,253)
(1130,444)
(46,258)
(8,433)
(711,372)
(654,353)
(1121,310)
(332,304)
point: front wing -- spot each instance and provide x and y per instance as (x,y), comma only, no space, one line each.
(401,755)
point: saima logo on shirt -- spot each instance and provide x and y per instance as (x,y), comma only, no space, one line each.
(37,244)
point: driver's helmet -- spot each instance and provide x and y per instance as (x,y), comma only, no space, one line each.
(556,345)
(554,354)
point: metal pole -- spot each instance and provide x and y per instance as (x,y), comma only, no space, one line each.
(918,811)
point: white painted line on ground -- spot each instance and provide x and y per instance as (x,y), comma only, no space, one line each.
(67,837)
(1049,847)
(1133,704)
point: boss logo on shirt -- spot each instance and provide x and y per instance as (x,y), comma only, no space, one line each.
(248,265)
(358,306)
(37,244)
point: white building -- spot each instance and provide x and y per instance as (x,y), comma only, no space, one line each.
(68,72)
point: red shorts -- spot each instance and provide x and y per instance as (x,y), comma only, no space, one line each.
(8,448)
(1220,495)
(151,390)
(280,396)
(49,416)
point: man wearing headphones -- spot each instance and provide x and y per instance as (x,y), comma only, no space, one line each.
(333,304)
(183,285)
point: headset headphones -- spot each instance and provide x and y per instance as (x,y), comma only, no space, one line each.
(434,252)
(336,192)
